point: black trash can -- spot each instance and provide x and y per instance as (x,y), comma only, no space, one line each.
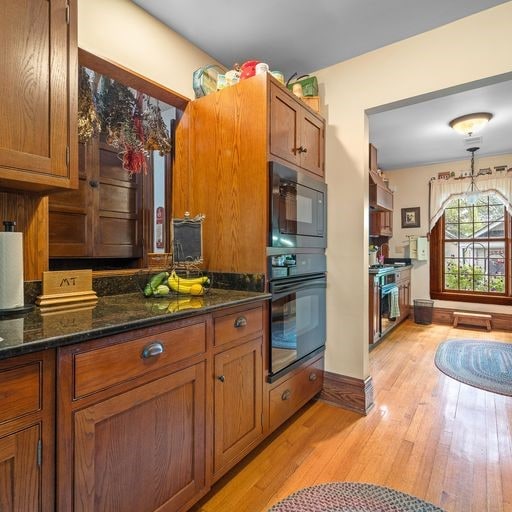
(423,309)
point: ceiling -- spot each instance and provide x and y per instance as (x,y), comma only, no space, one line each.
(419,134)
(303,36)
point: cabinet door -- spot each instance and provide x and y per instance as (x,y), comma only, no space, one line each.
(285,119)
(103,217)
(312,144)
(38,69)
(237,402)
(143,449)
(19,471)
(381,223)
(70,215)
(117,200)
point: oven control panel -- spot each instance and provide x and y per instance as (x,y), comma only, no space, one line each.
(282,266)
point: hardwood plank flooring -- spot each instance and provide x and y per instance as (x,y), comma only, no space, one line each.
(428,435)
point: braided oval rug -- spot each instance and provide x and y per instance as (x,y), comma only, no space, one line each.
(482,364)
(352,497)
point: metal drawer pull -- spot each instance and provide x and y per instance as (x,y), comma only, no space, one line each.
(286,394)
(241,321)
(221,378)
(153,349)
(312,377)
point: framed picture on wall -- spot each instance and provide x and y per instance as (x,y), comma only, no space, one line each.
(411,217)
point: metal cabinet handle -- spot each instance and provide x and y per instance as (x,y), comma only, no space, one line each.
(286,394)
(312,377)
(153,349)
(94,184)
(221,378)
(241,321)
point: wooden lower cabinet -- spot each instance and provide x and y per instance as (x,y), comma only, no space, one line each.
(404,293)
(27,433)
(238,409)
(136,441)
(290,393)
(143,450)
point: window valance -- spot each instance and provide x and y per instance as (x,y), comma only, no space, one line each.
(443,191)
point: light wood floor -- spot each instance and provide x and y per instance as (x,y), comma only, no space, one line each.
(428,435)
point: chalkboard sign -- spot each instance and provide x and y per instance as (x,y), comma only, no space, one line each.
(187,240)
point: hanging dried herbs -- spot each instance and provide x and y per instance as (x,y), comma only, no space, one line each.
(116,104)
(157,134)
(88,121)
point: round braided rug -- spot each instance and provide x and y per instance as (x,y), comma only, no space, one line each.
(352,497)
(482,364)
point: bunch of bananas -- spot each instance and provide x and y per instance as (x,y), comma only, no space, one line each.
(191,286)
(185,303)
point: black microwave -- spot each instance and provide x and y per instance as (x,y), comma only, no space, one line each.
(298,214)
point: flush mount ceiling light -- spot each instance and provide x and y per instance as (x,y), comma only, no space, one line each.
(470,123)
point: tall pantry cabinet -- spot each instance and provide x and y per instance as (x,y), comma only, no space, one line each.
(225,142)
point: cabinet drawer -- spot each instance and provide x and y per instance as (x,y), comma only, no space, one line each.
(104,367)
(20,391)
(288,397)
(238,325)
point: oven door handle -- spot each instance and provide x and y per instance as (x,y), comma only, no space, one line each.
(278,290)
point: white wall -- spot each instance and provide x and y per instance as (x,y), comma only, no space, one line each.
(445,57)
(120,31)
(411,190)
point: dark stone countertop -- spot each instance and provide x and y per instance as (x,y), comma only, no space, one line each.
(112,315)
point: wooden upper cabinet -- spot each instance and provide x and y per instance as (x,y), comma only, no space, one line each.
(38,105)
(312,142)
(381,223)
(224,144)
(284,126)
(296,134)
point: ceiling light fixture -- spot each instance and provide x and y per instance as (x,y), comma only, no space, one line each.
(472,194)
(470,123)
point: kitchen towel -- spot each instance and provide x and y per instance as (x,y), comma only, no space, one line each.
(11,270)
(394,309)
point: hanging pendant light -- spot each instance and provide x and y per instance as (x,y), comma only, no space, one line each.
(472,194)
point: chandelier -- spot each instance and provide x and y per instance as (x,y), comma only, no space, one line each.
(472,194)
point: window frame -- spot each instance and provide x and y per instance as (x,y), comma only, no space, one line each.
(437,291)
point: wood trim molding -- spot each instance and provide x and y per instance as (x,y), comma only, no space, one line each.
(348,392)
(131,78)
(500,321)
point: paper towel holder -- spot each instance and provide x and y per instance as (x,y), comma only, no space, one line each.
(9,226)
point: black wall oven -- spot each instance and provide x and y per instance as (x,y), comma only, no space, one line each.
(298,323)
(298,209)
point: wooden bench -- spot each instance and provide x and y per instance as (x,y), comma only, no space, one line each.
(465,317)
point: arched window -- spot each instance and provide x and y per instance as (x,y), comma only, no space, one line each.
(470,251)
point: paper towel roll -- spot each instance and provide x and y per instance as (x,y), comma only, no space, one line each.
(11,270)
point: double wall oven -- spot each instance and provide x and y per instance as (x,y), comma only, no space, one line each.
(296,268)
